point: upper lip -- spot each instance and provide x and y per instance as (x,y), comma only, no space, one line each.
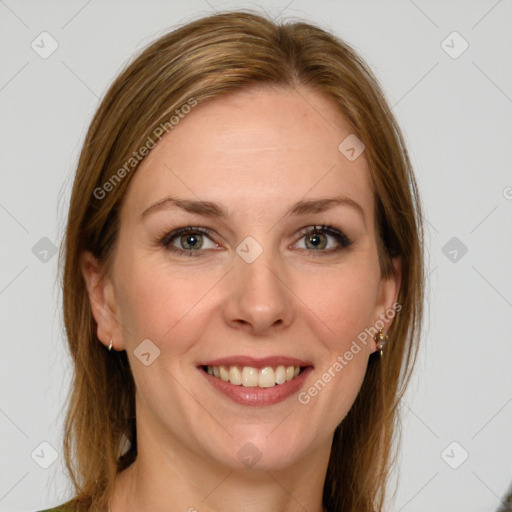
(256,362)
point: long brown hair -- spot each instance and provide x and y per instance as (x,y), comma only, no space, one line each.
(207,58)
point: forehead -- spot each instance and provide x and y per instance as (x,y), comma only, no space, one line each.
(254,147)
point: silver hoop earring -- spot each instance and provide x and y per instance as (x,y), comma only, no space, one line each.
(110,346)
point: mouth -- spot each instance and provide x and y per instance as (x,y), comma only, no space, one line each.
(250,377)
(250,381)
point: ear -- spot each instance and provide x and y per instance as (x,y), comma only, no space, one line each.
(102,300)
(389,288)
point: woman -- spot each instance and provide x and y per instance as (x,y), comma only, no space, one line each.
(242,277)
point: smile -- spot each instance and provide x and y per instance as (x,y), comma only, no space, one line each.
(256,381)
(251,377)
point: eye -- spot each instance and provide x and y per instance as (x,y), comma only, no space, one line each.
(187,240)
(317,239)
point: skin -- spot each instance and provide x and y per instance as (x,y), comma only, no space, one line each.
(256,152)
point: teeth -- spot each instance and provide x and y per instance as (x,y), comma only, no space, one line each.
(224,373)
(266,377)
(280,375)
(250,377)
(235,375)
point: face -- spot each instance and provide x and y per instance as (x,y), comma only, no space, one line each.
(252,284)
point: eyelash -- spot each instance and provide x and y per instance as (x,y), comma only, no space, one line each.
(339,236)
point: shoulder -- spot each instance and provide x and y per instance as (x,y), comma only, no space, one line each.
(61,508)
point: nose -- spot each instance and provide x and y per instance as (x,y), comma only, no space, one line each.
(260,302)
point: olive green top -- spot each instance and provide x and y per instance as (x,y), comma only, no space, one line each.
(60,508)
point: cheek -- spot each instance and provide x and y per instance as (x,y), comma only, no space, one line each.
(344,304)
(339,311)
(161,305)
(167,309)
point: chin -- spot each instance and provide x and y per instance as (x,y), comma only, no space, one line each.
(257,448)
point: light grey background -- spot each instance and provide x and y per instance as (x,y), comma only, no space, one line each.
(457,117)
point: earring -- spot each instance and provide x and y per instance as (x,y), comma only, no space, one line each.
(110,346)
(381,339)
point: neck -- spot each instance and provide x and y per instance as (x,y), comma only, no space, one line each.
(167,475)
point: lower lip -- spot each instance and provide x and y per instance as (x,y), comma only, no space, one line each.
(258,396)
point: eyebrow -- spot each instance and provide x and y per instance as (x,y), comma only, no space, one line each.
(215,210)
